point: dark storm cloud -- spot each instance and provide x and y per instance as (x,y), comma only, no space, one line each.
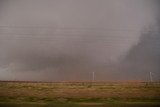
(145,56)
(69,39)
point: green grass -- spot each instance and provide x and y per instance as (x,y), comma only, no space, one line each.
(84,104)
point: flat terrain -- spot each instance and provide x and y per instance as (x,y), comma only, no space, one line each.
(79,94)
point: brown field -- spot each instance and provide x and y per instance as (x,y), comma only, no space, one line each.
(79,94)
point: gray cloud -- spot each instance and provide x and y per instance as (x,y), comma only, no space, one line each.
(68,39)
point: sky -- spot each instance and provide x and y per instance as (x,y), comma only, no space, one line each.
(67,40)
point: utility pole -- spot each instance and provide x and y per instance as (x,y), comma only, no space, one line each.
(150,74)
(93,77)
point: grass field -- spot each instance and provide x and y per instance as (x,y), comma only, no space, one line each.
(79,94)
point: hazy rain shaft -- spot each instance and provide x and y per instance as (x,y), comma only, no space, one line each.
(67,40)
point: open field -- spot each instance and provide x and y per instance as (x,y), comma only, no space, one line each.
(79,94)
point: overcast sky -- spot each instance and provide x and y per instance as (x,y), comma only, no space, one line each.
(67,40)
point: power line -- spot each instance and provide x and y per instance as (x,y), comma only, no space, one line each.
(53,27)
(72,28)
